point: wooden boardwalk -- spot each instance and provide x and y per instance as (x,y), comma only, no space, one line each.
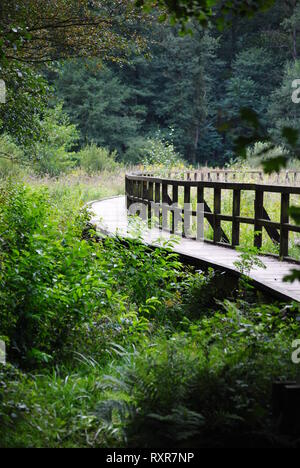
(110,217)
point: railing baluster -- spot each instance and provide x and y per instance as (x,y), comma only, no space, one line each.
(144,190)
(187,215)
(258,208)
(284,219)
(140,189)
(165,210)
(150,201)
(236,211)
(217,211)
(157,203)
(175,206)
(200,215)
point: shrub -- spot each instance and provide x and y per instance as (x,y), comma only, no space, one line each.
(153,151)
(95,159)
(58,290)
(48,278)
(209,385)
(10,157)
(53,153)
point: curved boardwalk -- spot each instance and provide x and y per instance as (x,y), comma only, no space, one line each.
(110,217)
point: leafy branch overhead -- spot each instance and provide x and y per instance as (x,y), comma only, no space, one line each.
(32,31)
(219,12)
(35,33)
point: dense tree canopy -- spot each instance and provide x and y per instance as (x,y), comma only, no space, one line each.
(34,31)
(220,12)
(187,86)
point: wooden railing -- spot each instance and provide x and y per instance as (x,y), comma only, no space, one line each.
(287,177)
(161,196)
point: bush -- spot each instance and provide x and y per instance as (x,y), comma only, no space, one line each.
(53,153)
(60,292)
(95,159)
(209,385)
(10,157)
(48,278)
(153,151)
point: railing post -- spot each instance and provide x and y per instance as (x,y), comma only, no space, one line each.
(135,188)
(144,190)
(165,210)
(217,211)
(175,208)
(187,215)
(140,189)
(236,211)
(200,214)
(258,209)
(129,192)
(157,202)
(284,219)
(150,201)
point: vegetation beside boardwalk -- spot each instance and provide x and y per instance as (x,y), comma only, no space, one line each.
(113,346)
(110,346)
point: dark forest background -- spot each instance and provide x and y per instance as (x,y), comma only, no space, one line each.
(184,87)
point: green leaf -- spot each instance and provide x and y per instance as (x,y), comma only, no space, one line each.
(274,164)
(291,135)
(295,214)
(250,116)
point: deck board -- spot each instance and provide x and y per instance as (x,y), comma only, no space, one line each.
(110,217)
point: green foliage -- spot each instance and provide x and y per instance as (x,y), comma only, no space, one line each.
(153,152)
(94,159)
(100,104)
(209,385)
(10,156)
(206,11)
(59,290)
(53,153)
(144,353)
(283,113)
(45,269)
(26,100)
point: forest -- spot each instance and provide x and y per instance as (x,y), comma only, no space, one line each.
(114,344)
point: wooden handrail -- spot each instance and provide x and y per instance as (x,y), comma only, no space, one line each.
(290,176)
(154,193)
